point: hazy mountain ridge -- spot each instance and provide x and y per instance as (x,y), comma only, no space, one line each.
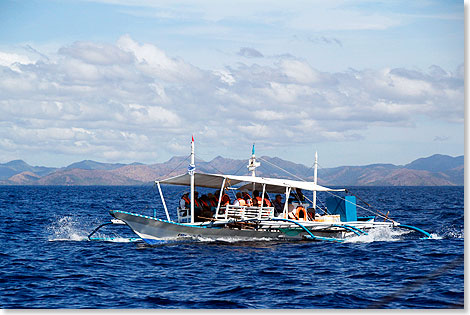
(436,170)
(15,167)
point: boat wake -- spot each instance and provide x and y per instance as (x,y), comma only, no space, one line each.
(384,234)
(117,239)
(67,229)
(451,232)
(388,234)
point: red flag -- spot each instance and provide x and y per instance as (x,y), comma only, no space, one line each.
(192,138)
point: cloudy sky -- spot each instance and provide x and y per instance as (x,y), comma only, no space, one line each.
(128,80)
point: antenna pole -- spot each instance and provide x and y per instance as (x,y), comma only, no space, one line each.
(315,180)
(191,170)
(252,164)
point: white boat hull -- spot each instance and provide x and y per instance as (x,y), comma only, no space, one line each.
(154,231)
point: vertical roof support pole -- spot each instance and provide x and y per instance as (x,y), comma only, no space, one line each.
(220,199)
(262,202)
(315,181)
(286,203)
(163,201)
(191,172)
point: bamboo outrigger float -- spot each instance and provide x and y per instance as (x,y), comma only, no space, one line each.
(298,220)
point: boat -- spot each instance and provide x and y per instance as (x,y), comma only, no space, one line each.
(298,219)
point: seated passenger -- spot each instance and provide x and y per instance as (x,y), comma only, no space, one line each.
(197,203)
(204,202)
(206,213)
(239,201)
(217,196)
(278,205)
(185,202)
(247,198)
(266,202)
(212,200)
(225,200)
(198,208)
(257,200)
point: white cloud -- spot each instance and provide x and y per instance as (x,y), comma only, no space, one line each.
(9,59)
(299,71)
(249,52)
(97,53)
(155,63)
(132,101)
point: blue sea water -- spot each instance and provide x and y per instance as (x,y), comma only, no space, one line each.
(47,261)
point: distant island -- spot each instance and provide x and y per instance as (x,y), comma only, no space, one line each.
(435,170)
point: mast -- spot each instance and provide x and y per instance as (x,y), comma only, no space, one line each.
(252,165)
(191,169)
(315,180)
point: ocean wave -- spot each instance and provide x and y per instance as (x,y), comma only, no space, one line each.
(67,228)
(385,234)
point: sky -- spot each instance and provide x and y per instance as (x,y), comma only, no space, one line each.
(126,81)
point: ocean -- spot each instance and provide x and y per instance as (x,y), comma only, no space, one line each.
(48,262)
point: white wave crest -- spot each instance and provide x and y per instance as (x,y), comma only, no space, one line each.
(452,232)
(385,234)
(119,239)
(67,229)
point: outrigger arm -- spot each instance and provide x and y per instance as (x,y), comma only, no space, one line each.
(414,228)
(310,235)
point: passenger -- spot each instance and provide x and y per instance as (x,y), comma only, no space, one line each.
(278,205)
(197,203)
(197,208)
(257,200)
(212,200)
(239,201)
(225,200)
(247,198)
(216,196)
(185,202)
(204,201)
(266,202)
(206,212)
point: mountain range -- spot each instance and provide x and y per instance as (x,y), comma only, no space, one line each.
(435,170)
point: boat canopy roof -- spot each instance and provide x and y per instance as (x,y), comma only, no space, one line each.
(273,185)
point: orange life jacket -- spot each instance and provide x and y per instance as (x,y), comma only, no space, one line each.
(241,202)
(266,201)
(186,200)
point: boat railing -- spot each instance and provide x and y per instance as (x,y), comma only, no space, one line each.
(245,213)
(184,215)
(232,212)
